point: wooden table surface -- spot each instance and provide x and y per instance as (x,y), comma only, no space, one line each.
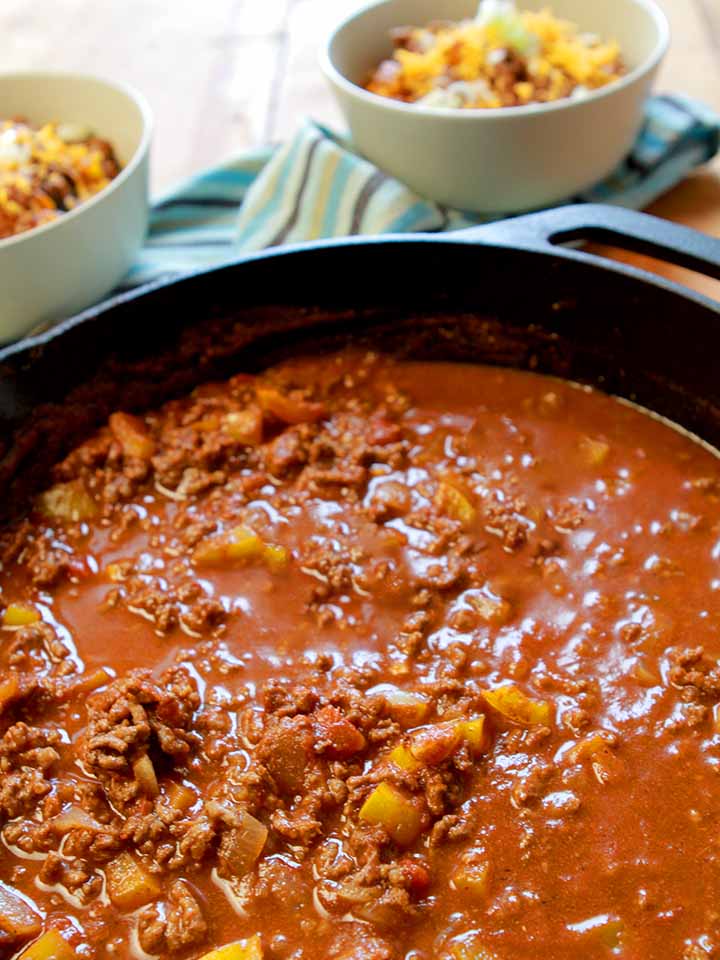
(223,75)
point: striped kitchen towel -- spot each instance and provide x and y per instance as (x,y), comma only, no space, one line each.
(315,186)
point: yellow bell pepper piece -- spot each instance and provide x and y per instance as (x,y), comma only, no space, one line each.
(402,758)
(19,615)
(86,683)
(436,742)
(276,557)
(244,544)
(240,545)
(473,878)
(454,504)
(68,502)
(132,435)
(594,452)
(245,426)
(476,735)
(129,885)
(250,949)
(406,708)
(517,707)
(391,808)
(49,946)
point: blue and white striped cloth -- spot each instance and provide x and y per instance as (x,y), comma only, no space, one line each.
(316,186)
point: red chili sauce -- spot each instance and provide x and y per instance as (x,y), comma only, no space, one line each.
(366,660)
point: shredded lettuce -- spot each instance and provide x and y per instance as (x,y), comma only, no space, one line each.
(504,18)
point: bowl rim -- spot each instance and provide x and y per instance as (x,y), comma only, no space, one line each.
(470,114)
(133,95)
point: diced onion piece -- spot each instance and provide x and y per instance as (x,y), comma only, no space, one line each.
(68,502)
(179,796)
(289,407)
(597,751)
(129,885)
(594,452)
(436,742)
(75,818)
(375,910)
(716,718)
(250,949)
(399,814)
(132,435)
(471,949)
(644,675)
(241,846)
(514,705)
(477,736)
(407,709)
(9,691)
(454,504)
(74,132)
(490,609)
(606,765)
(403,759)
(585,749)
(18,921)
(19,615)
(49,946)
(245,426)
(144,772)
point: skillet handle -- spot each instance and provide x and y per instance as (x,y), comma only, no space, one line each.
(638,232)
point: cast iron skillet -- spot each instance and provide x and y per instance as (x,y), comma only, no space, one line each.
(507,293)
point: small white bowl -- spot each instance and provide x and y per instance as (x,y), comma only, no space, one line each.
(499,160)
(57,269)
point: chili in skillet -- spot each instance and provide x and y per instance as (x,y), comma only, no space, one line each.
(366,660)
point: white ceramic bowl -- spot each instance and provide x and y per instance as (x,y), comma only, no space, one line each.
(55,270)
(500,160)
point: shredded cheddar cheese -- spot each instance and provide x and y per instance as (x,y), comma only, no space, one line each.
(502,58)
(47,171)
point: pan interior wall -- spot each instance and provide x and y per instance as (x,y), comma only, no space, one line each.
(414,299)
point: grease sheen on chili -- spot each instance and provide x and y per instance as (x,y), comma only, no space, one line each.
(366,660)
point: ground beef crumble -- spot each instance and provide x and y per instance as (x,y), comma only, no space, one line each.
(27,755)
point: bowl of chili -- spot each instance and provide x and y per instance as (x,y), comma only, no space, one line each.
(74,158)
(494,158)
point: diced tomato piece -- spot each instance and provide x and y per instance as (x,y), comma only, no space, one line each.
(417,876)
(335,736)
